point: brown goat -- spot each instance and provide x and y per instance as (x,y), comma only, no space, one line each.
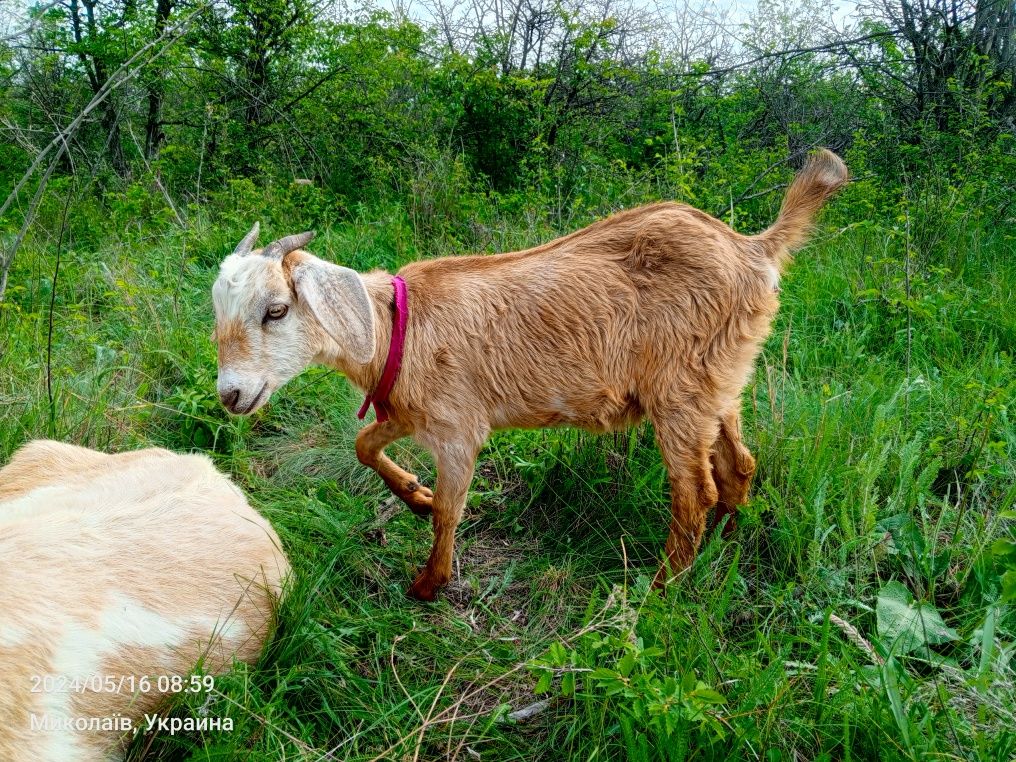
(656,312)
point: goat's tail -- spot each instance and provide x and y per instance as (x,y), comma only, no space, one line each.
(821,177)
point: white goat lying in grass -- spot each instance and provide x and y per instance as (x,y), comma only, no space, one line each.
(119,576)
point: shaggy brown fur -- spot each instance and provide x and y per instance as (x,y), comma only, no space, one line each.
(656,312)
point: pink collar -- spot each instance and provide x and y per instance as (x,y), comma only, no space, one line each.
(379,397)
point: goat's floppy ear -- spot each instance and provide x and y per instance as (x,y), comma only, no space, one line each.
(338,298)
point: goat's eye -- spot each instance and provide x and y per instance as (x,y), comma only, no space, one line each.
(276,312)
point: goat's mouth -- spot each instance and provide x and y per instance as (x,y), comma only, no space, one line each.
(254,402)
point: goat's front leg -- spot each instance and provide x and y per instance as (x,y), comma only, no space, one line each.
(455,465)
(370,445)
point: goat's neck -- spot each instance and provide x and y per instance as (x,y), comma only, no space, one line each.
(379,289)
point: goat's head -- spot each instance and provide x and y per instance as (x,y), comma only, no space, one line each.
(277,310)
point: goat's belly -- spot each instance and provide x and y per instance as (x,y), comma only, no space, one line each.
(600,413)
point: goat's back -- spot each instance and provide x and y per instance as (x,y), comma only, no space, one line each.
(114,567)
(650,303)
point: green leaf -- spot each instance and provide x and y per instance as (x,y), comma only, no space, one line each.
(1005,550)
(1009,586)
(557,655)
(904,624)
(626,664)
(708,695)
(688,682)
(568,684)
(613,687)
(543,684)
(892,690)
(988,640)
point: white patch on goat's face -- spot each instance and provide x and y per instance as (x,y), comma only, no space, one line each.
(257,354)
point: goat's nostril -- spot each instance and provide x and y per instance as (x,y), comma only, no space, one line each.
(230,398)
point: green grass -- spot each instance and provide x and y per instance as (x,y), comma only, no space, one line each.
(880,417)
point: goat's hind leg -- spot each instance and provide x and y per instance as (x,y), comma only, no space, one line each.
(684,440)
(733,467)
(370,445)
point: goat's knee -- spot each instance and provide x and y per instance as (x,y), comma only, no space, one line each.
(366,454)
(733,476)
(370,444)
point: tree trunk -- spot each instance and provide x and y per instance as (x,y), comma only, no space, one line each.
(153,121)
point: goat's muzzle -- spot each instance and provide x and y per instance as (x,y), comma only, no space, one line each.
(229,398)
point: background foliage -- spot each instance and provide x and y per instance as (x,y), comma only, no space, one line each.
(863,608)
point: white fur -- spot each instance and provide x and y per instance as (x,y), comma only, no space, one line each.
(11,635)
(238,280)
(140,564)
(774,275)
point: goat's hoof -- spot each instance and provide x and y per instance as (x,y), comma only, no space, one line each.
(420,499)
(423,589)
